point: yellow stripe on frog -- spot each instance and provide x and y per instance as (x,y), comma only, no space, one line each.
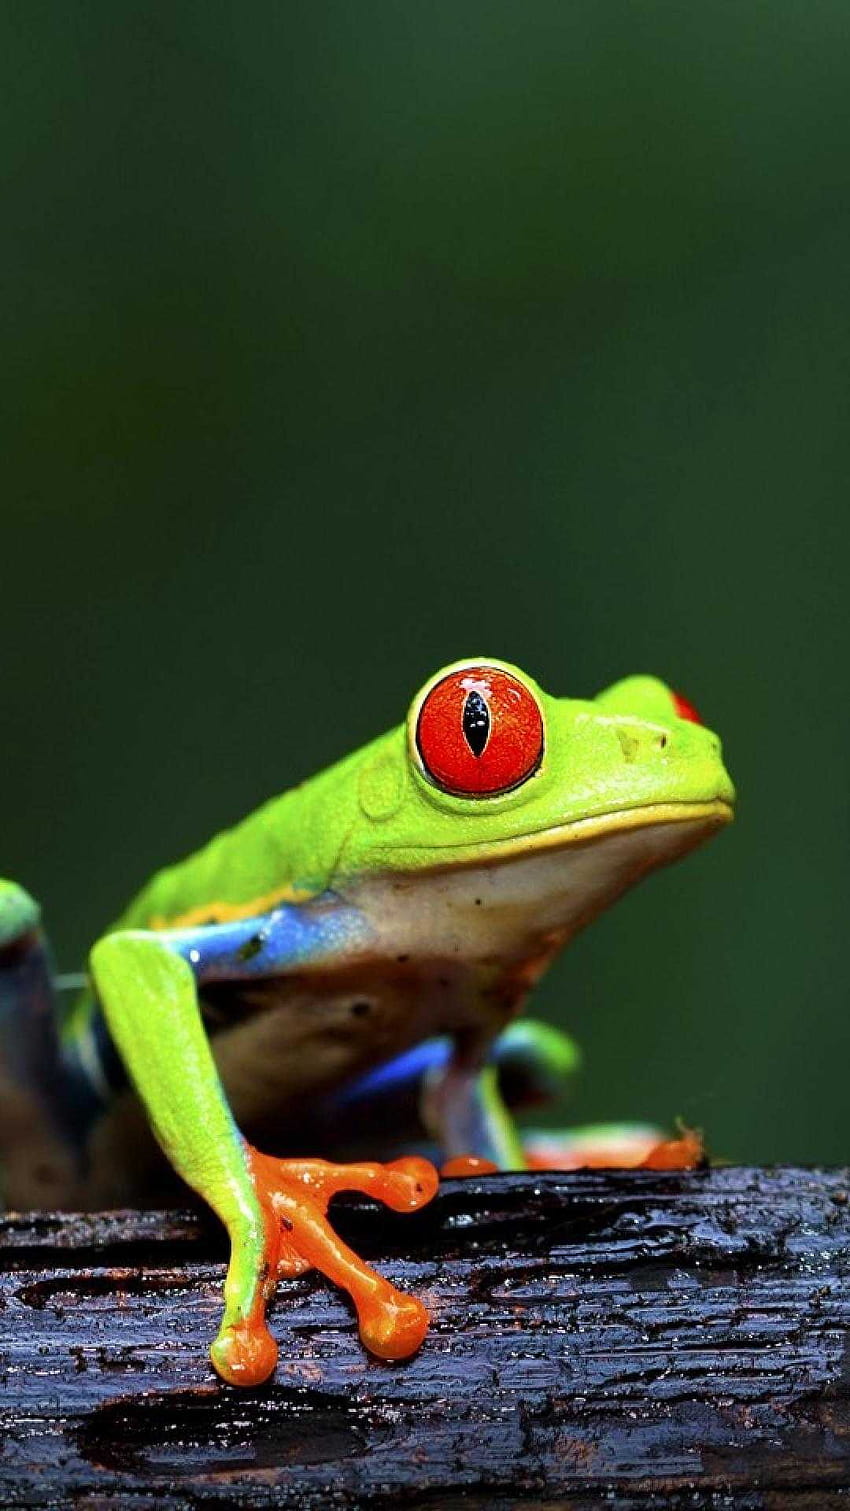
(229,912)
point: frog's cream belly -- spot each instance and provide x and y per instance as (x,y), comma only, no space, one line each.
(452,949)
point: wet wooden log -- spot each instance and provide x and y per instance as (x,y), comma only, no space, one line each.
(634,1340)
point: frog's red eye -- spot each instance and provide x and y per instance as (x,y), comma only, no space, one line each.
(479,732)
(685,710)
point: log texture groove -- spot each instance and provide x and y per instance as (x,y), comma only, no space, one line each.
(633,1339)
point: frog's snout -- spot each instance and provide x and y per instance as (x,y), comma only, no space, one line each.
(687,758)
(641,741)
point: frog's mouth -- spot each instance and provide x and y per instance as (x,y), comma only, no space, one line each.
(701,819)
(583,831)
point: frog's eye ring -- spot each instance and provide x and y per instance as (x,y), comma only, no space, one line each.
(686,710)
(479,732)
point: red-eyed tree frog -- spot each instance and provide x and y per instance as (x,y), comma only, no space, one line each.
(345,965)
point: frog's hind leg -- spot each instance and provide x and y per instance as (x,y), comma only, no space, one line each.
(613,1146)
(39,1159)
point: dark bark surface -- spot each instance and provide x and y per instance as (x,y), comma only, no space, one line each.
(637,1340)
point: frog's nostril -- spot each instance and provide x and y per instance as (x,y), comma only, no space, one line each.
(639,743)
(629,744)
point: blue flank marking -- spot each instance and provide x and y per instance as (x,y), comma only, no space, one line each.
(405,1070)
(292,935)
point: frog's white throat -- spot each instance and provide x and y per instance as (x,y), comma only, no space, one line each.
(526,900)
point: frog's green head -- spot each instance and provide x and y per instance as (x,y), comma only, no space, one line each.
(488,767)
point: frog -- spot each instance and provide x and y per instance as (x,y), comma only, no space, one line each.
(379,926)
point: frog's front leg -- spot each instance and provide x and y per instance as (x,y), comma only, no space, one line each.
(274,1210)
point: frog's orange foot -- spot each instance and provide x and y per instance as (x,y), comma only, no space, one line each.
(686,1152)
(614,1146)
(294,1196)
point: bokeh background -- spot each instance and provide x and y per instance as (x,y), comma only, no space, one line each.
(340,341)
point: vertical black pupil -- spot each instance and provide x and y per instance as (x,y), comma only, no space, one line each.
(476,722)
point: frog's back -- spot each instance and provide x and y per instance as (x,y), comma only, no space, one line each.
(286,850)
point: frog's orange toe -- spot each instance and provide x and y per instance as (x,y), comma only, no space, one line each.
(469,1164)
(686,1152)
(244,1354)
(408,1183)
(394,1327)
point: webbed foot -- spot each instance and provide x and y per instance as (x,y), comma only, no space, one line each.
(293,1195)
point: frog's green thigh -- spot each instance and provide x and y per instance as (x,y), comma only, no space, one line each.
(148,994)
(536,1062)
(19,913)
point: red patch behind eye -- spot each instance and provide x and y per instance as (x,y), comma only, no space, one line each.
(479,732)
(686,710)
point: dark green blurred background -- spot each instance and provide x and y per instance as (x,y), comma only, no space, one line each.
(341,341)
